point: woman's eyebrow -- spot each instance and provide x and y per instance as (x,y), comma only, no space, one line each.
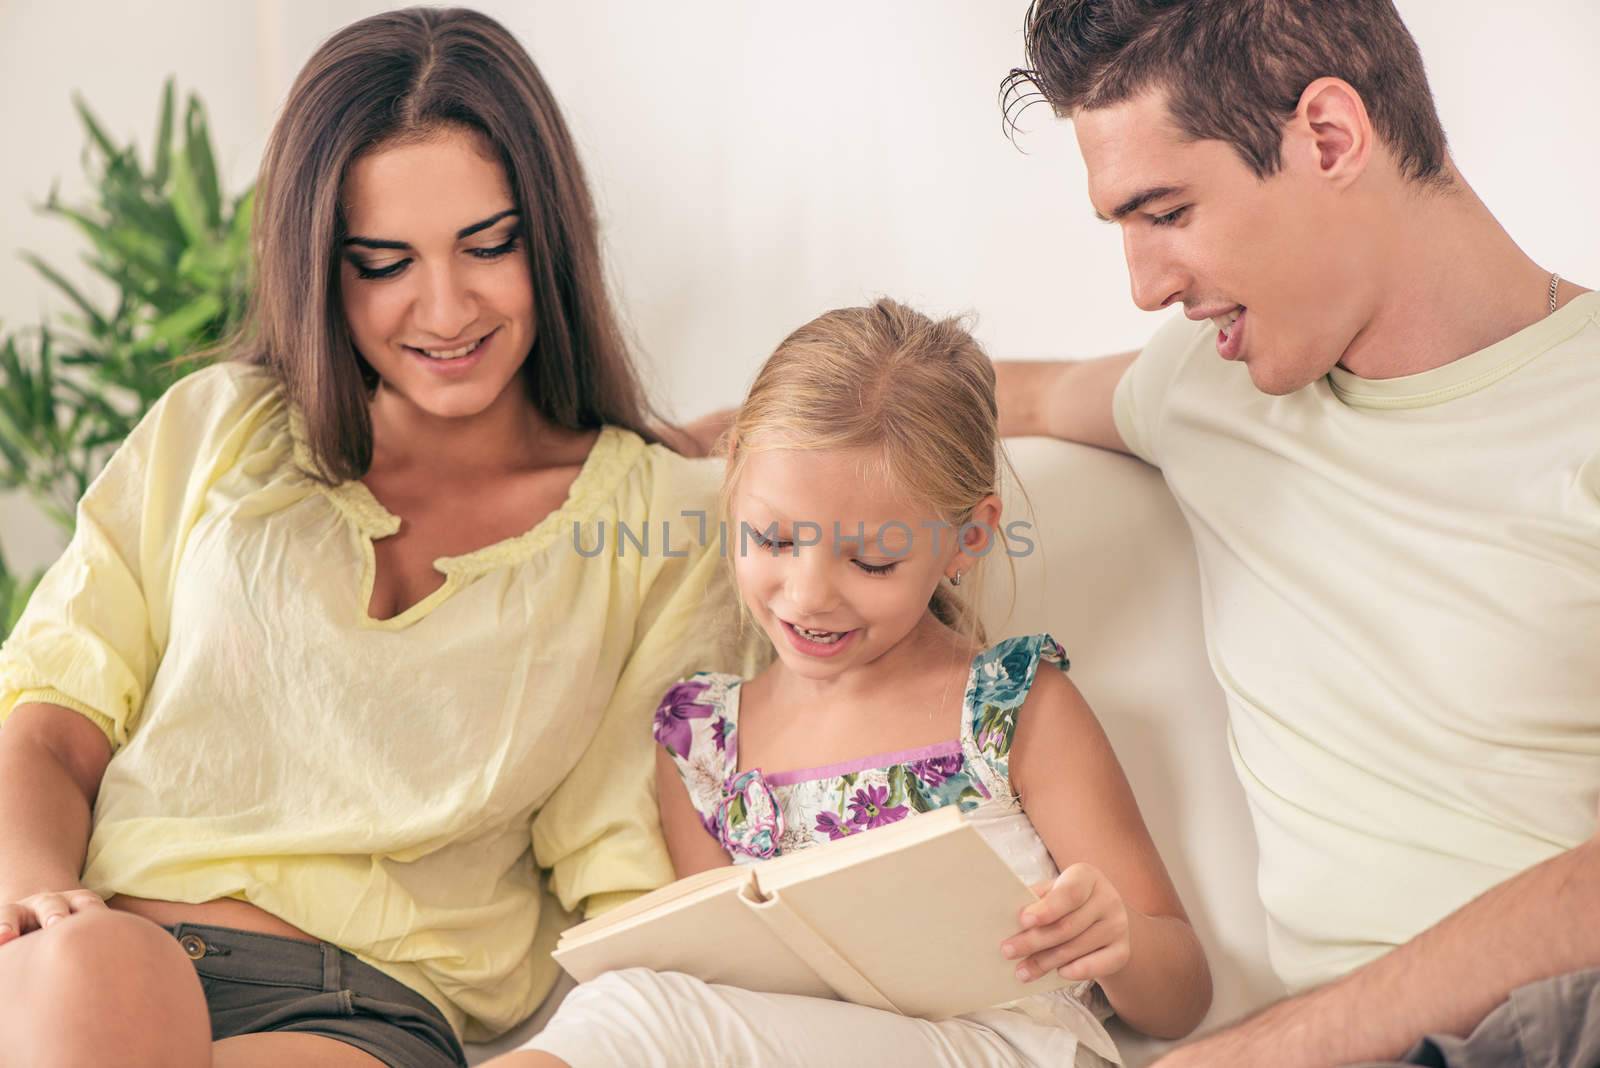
(465,231)
(468,231)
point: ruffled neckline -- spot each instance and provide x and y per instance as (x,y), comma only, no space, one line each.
(612,456)
(748,814)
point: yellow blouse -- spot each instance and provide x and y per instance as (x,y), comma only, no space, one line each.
(394,787)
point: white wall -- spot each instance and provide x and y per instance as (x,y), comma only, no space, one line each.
(758,161)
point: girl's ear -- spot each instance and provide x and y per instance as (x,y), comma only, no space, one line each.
(977,536)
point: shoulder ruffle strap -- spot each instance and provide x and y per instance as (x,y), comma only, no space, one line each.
(1001,678)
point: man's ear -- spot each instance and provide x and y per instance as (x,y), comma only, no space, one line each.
(1333,130)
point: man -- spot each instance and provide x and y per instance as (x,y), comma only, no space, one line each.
(1382,423)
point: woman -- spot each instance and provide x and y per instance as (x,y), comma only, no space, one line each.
(355,713)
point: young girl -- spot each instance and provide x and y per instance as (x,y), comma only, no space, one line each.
(861,491)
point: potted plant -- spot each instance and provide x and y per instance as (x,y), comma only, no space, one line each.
(175,250)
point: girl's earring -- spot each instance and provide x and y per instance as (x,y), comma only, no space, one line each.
(955,580)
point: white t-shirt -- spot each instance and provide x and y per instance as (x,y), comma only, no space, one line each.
(1401,589)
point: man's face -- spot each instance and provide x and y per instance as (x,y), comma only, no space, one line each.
(1280,266)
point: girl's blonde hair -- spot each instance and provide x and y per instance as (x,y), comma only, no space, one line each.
(917,394)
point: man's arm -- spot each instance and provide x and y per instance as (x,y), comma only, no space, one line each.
(1542,923)
(1068,399)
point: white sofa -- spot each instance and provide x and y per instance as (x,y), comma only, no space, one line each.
(1113,577)
(1116,583)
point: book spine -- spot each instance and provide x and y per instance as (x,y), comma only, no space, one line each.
(804,942)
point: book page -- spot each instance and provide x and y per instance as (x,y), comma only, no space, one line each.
(673,895)
(924,924)
(917,910)
(713,936)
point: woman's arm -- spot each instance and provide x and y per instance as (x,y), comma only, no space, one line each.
(1113,915)
(691,848)
(76,669)
(51,763)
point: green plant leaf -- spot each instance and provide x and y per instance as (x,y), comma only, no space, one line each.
(96,321)
(163,158)
(197,147)
(92,126)
(187,321)
(188,203)
(176,252)
(244,210)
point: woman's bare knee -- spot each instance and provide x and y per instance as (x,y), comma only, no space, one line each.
(100,984)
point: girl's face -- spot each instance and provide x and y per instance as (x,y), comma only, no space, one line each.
(433,276)
(835,565)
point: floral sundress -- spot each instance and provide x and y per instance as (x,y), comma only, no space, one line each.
(757,815)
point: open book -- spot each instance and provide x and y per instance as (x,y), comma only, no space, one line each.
(907,918)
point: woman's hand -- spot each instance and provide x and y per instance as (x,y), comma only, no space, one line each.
(1078,927)
(38,911)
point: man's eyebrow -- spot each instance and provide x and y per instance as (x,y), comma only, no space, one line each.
(1140,199)
(465,231)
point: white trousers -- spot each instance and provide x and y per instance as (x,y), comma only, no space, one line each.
(643,1019)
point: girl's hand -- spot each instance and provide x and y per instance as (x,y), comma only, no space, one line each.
(1079,927)
(38,911)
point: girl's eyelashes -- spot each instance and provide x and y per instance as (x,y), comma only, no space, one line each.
(766,542)
(777,544)
(389,270)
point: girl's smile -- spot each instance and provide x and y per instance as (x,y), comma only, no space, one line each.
(839,567)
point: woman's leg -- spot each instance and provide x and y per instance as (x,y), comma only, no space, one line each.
(281,1048)
(647,1019)
(96,982)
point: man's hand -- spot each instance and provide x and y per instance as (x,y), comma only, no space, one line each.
(1227,1048)
(1078,927)
(707,429)
(1289,1034)
(695,438)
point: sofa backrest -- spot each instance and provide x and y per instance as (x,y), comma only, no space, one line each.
(1112,575)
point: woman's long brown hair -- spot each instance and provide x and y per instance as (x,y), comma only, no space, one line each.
(401,75)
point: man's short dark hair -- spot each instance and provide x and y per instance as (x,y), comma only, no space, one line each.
(1233,70)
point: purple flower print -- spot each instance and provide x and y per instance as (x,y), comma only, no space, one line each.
(678,707)
(935,770)
(720,730)
(867,808)
(833,826)
(749,820)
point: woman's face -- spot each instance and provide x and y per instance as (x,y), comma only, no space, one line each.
(433,277)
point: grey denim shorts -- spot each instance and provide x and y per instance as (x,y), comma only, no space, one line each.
(256,982)
(1551,1023)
